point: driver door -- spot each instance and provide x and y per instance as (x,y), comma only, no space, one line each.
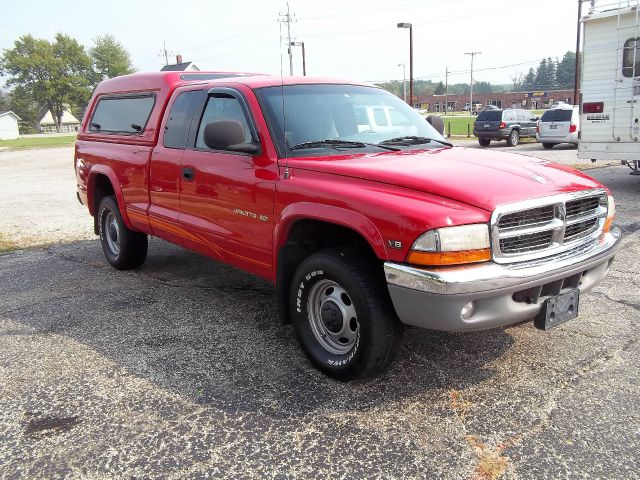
(227,197)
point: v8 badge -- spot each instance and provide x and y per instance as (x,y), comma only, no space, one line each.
(395,244)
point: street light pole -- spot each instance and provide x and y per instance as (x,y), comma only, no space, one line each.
(576,82)
(473,54)
(304,61)
(404,80)
(410,27)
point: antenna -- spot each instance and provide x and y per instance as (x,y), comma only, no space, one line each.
(287,18)
(284,117)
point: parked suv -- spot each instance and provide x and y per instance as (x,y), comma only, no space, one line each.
(560,124)
(510,124)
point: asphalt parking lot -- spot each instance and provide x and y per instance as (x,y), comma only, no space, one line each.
(181,370)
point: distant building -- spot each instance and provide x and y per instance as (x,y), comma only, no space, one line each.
(8,125)
(68,123)
(528,100)
(180,66)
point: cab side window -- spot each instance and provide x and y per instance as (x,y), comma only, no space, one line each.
(224,112)
(181,114)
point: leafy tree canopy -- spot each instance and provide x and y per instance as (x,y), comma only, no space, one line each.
(110,58)
(52,74)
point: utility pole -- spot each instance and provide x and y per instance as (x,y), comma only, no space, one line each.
(446,90)
(473,54)
(164,53)
(287,18)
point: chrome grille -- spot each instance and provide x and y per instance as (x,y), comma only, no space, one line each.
(526,243)
(547,226)
(534,216)
(580,229)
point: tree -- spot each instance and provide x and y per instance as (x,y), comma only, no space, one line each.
(517,81)
(51,74)
(22,104)
(529,80)
(4,101)
(109,58)
(440,89)
(482,87)
(566,71)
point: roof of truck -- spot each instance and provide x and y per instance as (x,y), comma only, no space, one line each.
(168,81)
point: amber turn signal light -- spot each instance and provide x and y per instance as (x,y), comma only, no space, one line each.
(433,259)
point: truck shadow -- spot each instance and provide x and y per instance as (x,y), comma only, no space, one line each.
(210,333)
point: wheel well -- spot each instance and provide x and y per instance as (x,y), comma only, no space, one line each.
(307,237)
(101,188)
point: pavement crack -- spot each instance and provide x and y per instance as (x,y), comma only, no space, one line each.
(621,302)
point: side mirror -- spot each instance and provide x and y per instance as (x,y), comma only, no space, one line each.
(228,135)
(535,119)
(436,122)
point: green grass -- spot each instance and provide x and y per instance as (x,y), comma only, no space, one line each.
(39,142)
(458,125)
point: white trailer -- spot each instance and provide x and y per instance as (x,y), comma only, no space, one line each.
(610,84)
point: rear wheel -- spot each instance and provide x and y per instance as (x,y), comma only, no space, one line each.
(548,146)
(123,248)
(513,139)
(484,142)
(342,315)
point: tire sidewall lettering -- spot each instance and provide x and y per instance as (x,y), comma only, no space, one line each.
(336,361)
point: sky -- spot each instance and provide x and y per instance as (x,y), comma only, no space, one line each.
(354,40)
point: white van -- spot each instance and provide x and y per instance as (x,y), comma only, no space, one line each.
(610,107)
(559,124)
(383,119)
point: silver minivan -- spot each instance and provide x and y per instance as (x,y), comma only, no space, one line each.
(559,124)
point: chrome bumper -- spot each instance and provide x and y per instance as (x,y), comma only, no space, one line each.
(435,298)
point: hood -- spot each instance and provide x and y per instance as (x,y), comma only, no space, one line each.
(481,178)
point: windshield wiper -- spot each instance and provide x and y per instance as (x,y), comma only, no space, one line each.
(338,144)
(413,140)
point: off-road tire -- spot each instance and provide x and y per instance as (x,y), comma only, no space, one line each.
(124,249)
(378,330)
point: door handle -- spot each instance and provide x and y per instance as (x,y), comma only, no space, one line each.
(188,173)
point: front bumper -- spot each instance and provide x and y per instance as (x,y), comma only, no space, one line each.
(501,294)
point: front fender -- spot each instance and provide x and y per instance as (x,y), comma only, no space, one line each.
(327,213)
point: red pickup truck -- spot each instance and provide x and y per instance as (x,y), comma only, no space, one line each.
(363,225)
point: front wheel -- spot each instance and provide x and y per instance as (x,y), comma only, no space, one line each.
(342,315)
(123,248)
(513,139)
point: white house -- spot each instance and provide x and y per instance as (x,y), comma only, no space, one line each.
(181,66)
(8,125)
(68,123)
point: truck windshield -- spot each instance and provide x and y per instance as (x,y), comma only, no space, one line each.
(321,119)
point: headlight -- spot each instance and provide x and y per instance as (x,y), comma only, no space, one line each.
(452,246)
(611,213)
